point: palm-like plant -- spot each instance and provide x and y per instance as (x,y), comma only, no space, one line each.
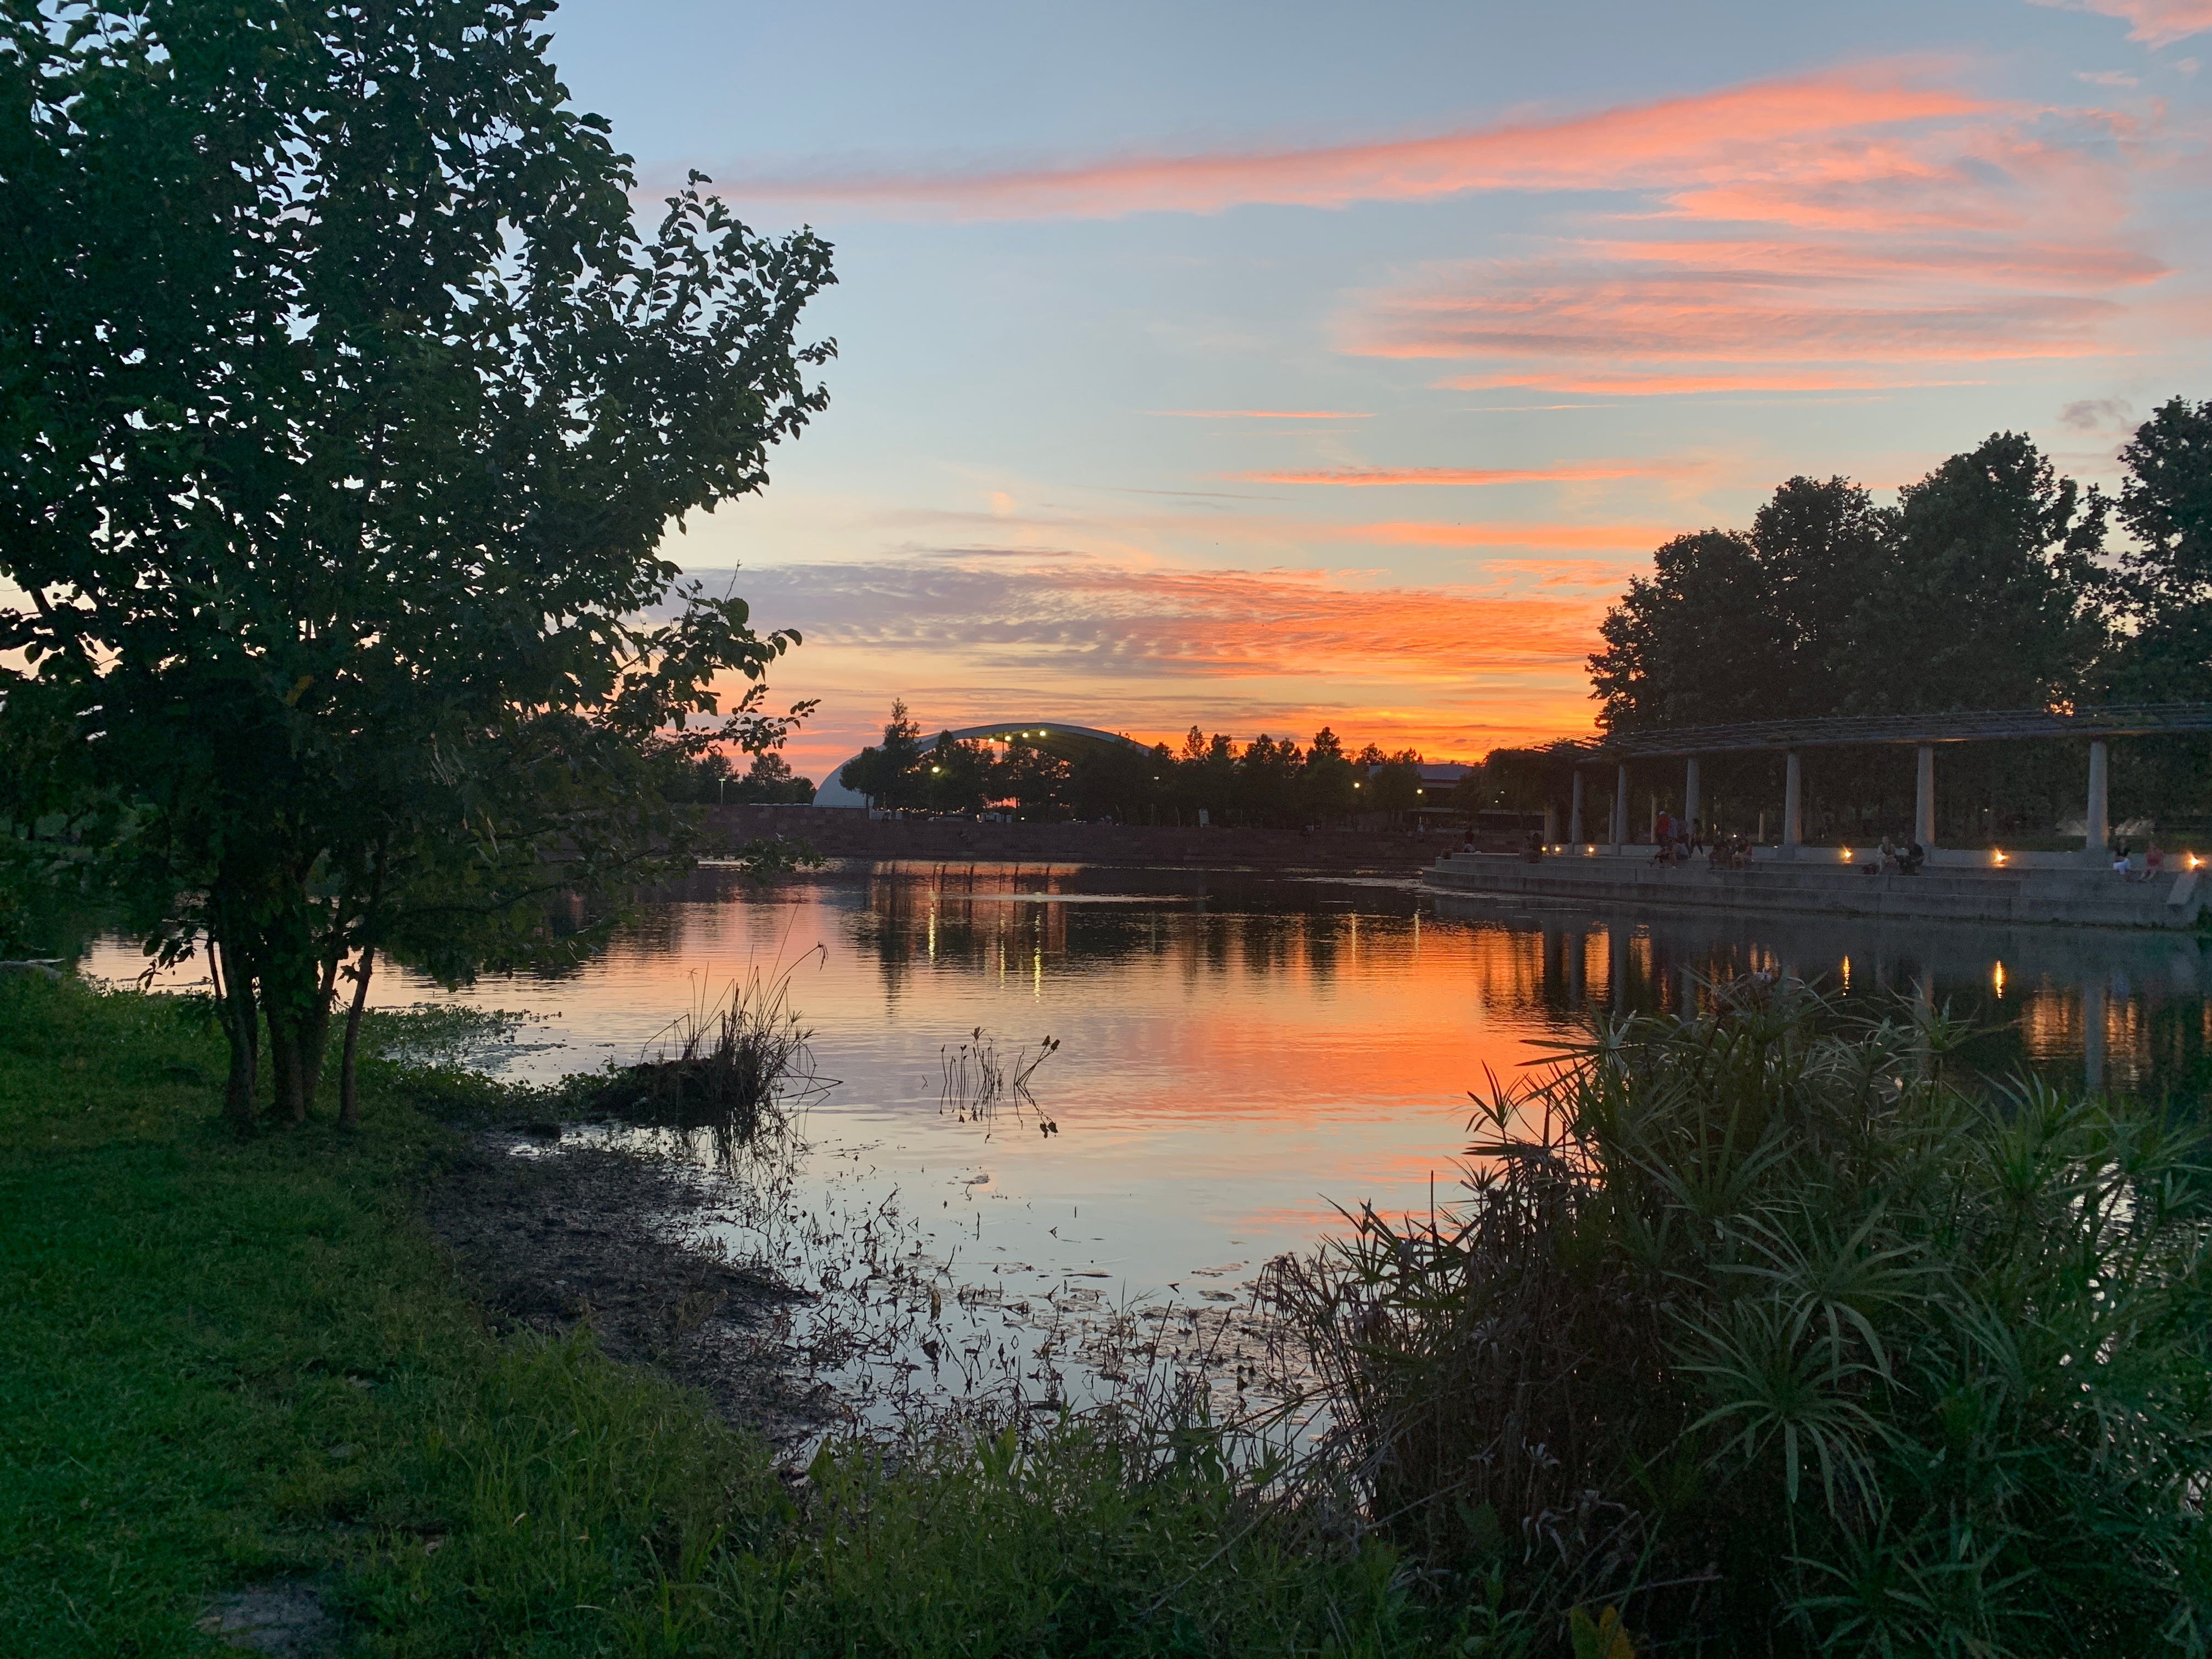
(1767,1328)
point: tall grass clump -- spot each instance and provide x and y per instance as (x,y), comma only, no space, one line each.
(737,1068)
(1767,1330)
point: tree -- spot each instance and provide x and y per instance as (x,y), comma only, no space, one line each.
(1395,784)
(963,776)
(1993,596)
(1701,640)
(1824,562)
(1325,791)
(345,411)
(770,778)
(2164,579)
(1037,779)
(890,775)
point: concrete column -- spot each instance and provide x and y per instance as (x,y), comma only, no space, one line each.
(1690,811)
(1793,803)
(2099,831)
(1651,832)
(1551,824)
(1621,807)
(1575,814)
(1923,798)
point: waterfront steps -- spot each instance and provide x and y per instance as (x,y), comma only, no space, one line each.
(2084,898)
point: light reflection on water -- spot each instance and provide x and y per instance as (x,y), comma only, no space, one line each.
(1241,1054)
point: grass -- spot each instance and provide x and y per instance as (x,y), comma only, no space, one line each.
(225,1364)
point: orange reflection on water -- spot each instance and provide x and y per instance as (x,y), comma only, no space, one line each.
(1242,1054)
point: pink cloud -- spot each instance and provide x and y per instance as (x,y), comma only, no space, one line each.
(1705,135)
(1616,311)
(1522,533)
(2155,22)
(1847,258)
(1600,382)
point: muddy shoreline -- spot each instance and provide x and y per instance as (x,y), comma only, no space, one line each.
(546,1237)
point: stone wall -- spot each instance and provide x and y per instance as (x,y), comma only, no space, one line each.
(850,832)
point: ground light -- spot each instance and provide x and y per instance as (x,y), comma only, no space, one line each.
(1997,855)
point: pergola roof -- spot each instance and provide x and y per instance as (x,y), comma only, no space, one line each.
(1969,725)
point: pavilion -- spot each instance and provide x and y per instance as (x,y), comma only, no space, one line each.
(1924,732)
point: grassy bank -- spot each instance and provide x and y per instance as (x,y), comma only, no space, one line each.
(228,1364)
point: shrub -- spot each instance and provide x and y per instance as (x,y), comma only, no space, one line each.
(1766,1329)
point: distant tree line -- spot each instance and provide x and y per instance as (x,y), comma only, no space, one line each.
(713,779)
(1992,583)
(1265,783)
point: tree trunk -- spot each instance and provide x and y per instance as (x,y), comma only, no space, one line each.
(349,1104)
(233,977)
(289,1104)
(315,1034)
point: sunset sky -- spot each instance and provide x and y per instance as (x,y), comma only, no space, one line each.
(1261,366)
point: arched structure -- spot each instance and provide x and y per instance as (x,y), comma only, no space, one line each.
(1060,737)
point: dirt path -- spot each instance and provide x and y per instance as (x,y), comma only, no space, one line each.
(547,1239)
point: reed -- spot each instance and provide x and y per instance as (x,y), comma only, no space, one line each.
(978,1079)
(1762,1328)
(736,1069)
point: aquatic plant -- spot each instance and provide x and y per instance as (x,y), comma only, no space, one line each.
(1759,1327)
(978,1079)
(735,1067)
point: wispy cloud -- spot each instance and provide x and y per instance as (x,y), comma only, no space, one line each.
(2154,22)
(1725,311)
(1576,472)
(1832,265)
(1512,533)
(1710,134)
(1602,383)
(1267,414)
(1106,617)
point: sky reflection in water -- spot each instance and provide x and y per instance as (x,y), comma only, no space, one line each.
(1241,1054)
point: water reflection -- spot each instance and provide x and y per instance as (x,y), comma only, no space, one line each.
(1241,1054)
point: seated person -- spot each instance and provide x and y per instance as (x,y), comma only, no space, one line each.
(2154,861)
(1910,857)
(1534,851)
(1892,856)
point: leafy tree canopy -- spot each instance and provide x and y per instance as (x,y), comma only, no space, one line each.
(344,411)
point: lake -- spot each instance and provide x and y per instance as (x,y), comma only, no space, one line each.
(1239,1055)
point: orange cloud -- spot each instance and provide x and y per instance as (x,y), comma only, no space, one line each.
(1357,476)
(1640,537)
(1450,668)
(2155,22)
(1712,134)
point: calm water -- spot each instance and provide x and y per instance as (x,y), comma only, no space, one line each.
(1240,1054)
